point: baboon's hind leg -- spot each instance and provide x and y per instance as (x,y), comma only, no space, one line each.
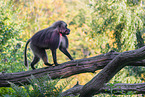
(35,60)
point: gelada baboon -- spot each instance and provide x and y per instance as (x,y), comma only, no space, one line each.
(51,38)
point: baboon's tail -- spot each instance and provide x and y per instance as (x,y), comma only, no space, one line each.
(25,53)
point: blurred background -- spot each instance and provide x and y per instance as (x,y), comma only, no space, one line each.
(97,26)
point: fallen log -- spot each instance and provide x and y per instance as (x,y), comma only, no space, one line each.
(118,89)
(64,70)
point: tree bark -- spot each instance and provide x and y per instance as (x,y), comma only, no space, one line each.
(64,70)
(110,70)
(119,88)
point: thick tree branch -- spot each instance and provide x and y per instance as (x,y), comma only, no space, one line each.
(110,70)
(119,88)
(65,70)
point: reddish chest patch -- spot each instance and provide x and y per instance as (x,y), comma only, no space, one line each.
(60,34)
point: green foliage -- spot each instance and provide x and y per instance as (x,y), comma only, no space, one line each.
(5,91)
(10,30)
(117,25)
(39,87)
(119,19)
(8,24)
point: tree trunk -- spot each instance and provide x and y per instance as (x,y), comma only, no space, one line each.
(119,88)
(110,70)
(64,70)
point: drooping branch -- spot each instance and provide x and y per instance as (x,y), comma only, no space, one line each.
(64,70)
(119,88)
(110,70)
